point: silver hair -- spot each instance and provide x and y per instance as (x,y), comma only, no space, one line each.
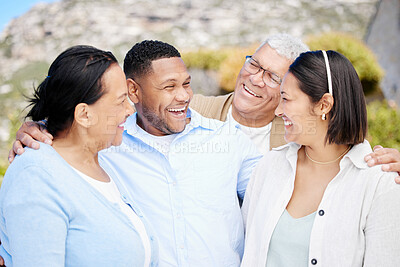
(286,45)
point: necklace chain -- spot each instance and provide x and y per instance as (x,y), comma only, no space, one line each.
(326,162)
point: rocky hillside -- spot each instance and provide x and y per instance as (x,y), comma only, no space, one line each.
(30,42)
(46,29)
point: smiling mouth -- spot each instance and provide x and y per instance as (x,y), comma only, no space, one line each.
(177,111)
(287,123)
(122,125)
(250,92)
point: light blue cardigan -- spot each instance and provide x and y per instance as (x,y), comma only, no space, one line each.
(49,216)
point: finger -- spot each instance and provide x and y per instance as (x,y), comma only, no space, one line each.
(28,141)
(383,150)
(2,261)
(29,132)
(377,147)
(391,167)
(397,179)
(11,156)
(18,148)
(383,156)
(378,150)
(49,135)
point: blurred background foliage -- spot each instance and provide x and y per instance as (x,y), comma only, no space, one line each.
(383,117)
(362,58)
(383,124)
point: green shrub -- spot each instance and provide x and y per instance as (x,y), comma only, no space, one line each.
(383,124)
(231,66)
(204,58)
(362,58)
(227,61)
(3,169)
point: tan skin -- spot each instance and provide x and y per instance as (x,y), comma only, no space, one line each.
(258,111)
(254,112)
(162,97)
(312,178)
(96,126)
(309,186)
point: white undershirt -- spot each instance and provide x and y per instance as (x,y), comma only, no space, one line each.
(161,143)
(110,191)
(260,136)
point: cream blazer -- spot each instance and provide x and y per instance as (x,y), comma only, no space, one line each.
(357,221)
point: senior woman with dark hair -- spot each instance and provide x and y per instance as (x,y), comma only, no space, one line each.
(315,201)
(58,206)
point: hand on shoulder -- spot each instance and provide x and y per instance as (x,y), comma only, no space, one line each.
(389,158)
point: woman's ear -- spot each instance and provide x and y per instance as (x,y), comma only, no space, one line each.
(83,115)
(324,105)
(133,90)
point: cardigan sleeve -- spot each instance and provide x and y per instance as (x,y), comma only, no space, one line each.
(382,229)
(35,220)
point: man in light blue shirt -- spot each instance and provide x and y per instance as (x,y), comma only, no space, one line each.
(183,170)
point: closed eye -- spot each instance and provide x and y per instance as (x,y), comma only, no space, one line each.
(169,87)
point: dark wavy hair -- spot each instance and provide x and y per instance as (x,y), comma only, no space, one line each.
(138,60)
(74,77)
(348,116)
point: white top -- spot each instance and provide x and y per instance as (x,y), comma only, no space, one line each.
(260,135)
(161,143)
(110,191)
(357,221)
(290,241)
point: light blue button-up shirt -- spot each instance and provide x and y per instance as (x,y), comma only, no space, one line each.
(189,194)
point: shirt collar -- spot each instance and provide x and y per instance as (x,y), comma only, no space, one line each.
(355,155)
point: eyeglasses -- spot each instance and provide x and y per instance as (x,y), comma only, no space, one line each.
(271,79)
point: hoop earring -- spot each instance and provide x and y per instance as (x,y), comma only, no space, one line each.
(323,117)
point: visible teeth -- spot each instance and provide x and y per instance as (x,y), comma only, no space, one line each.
(251,92)
(176,110)
(287,123)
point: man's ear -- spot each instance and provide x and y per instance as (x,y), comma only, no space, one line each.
(83,115)
(325,104)
(133,90)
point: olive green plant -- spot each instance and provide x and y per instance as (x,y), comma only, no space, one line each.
(206,59)
(362,58)
(231,66)
(383,124)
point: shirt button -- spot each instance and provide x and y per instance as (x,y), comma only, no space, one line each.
(321,212)
(181,247)
(178,215)
(314,261)
(174,183)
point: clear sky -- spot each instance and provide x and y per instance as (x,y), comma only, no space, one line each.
(10,9)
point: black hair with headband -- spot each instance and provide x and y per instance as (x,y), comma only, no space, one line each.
(348,116)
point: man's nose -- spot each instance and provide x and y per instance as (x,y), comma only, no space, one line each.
(183,94)
(257,79)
